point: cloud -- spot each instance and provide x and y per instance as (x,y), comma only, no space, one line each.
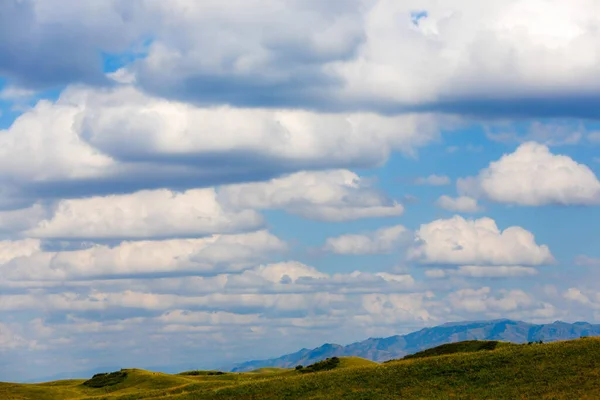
(586,261)
(12,93)
(479,271)
(130,125)
(160,284)
(59,48)
(25,260)
(338,195)
(285,301)
(398,307)
(483,299)
(295,277)
(464,204)
(41,145)
(12,249)
(267,59)
(533,176)
(460,241)
(549,134)
(99,141)
(141,215)
(468,148)
(10,339)
(594,137)
(433,180)
(287,272)
(239,303)
(456,53)
(177,318)
(588,298)
(574,294)
(381,241)
(461,52)
(465,58)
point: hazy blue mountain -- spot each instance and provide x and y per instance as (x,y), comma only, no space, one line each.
(383,349)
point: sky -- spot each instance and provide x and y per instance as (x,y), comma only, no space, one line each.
(190,184)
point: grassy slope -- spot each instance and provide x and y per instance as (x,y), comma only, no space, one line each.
(562,370)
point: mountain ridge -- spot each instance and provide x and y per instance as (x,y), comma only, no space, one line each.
(398,346)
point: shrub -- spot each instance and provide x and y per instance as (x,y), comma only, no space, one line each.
(191,373)
(106,379)
(325,365)
(299,367)
(198,372)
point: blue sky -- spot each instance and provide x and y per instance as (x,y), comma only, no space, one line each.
(188,185)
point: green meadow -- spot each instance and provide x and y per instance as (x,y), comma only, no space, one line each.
(466,370)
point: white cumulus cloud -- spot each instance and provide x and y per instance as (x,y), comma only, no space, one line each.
(533,176)
(461,241)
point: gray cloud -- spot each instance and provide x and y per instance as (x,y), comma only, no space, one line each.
(97,142)
(345,56)
(45,44)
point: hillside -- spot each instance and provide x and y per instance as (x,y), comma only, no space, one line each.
(383,349)
(560,370)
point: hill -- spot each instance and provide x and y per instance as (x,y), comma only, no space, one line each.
(474,370)
(394,347)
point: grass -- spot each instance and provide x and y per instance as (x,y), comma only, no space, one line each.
(467,370)
(351,362)
(268,370)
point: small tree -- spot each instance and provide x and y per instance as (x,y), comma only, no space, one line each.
(299,367)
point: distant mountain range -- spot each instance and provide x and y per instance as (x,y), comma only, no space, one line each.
(383,349)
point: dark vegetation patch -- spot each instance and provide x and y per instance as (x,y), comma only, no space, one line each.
(468,346)
(106,379)
(199,372)
(325,365)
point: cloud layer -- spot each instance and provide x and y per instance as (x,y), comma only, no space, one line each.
(26,260)
(334,56)
(97,141)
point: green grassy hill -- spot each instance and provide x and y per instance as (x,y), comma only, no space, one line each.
(466,370)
